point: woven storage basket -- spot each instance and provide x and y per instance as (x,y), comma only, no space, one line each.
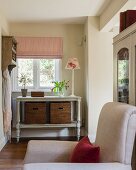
(35,113)
(60,113)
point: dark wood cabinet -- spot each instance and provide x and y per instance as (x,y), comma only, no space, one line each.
(9,48)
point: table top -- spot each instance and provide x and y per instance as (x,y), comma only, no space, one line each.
(49,98)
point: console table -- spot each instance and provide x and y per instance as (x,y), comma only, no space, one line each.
(75,113)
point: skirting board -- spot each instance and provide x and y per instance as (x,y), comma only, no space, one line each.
(3,141)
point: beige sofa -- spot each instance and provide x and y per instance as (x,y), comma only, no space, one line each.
(115,136)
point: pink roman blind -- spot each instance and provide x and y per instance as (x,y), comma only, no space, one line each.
(40,47)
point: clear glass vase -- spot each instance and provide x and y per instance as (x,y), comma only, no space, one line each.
(59,92)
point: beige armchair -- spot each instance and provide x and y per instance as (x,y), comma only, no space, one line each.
(115,136)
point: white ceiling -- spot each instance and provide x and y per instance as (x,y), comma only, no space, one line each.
(51,10)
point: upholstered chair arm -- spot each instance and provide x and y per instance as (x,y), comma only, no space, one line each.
(39,151)
(77,166)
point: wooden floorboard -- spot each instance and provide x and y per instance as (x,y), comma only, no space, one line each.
(12,155)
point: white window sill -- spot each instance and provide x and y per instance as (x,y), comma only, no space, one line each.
(19,91)
(29,90)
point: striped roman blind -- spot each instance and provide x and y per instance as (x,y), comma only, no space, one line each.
(39,47)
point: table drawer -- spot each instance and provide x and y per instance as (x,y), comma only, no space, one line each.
(60,113)
(35,112)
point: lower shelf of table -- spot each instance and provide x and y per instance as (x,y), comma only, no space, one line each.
(47,125)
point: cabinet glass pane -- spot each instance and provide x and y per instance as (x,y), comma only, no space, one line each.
(123,75)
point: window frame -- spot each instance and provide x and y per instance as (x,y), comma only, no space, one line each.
(36,72)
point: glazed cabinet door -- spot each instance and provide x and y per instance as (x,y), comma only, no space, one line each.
(124,81)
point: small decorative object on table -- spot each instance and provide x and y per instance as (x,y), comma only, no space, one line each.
(37,93)
(24,80)
(60,86)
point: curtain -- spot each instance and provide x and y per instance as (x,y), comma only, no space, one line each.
(39,47)
(7,114)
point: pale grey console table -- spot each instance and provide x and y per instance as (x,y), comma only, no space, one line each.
(75,112)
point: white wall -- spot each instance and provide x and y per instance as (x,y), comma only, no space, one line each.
(3,30)
(86,75)
(100,71)
(1,115)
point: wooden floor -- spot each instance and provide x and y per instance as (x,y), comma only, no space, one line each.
(12,155)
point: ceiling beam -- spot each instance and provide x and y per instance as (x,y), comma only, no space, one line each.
(110,16)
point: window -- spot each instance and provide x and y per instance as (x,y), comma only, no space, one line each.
(41,72)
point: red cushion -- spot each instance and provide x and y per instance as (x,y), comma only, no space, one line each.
(85,152)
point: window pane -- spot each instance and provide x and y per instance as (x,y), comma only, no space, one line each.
(25,66)
(47,72)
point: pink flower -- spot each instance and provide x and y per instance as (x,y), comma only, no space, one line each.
(72,65)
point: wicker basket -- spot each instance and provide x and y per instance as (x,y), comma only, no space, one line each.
(35,113)
(60,113)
